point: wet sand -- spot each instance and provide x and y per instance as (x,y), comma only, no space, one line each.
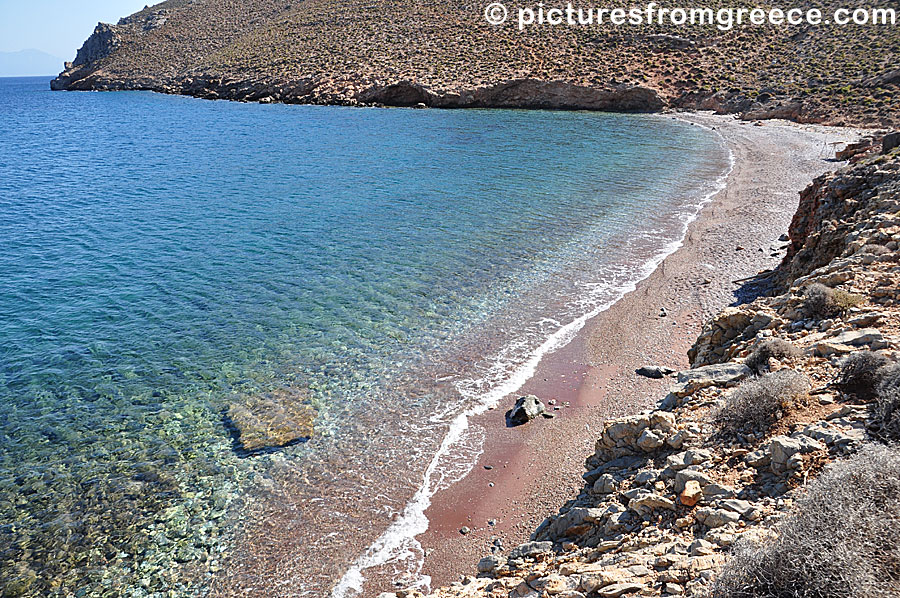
(529,472)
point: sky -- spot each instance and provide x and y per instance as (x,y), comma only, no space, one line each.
(58,27)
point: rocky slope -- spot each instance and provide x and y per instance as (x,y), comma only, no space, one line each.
(780,390)
(444,54)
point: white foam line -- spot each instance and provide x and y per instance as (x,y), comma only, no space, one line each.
(398,543)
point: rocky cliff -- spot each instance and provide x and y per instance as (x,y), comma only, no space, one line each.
(444,54)
(768,470)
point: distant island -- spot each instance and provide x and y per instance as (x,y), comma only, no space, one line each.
(445,54)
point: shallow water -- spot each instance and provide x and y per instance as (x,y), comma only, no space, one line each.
(164,257)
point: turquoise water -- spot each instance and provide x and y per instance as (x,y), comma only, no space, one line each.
(164,257)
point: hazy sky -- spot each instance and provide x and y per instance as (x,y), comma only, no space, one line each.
(57,27)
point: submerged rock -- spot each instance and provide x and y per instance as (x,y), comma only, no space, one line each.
(526,409)
(272,420)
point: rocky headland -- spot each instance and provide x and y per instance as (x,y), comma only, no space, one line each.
(444,54)
(771,466)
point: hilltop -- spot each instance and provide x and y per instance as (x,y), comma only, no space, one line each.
(445,54)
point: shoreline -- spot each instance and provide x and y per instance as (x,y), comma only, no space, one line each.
(525,474)
(399,542)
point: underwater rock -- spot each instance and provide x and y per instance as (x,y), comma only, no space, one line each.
(272,420)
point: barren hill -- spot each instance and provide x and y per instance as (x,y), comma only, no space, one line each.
(444,53)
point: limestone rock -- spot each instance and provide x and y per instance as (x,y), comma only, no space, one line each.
(645,502)
(531,549)
(691,494)
(620,589)
(272,420)
(489,564)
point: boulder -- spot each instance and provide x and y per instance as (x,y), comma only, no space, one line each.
(783,448)
(870,337)
(620,589)
(691,494)
(271,420)
(654,371)
(526,409)
(650,440)
(489,564)
(686,475)
(605,484)
(645,502)
(531,549)
(724,374)
(714,518)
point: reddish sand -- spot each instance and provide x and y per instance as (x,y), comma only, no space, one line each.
(536,468)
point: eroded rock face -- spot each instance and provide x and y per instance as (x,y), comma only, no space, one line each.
(99,45)
(273,420)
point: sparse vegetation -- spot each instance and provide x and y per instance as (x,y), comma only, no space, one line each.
(821,302)
(234,48)
(773,348)
(843,539)
(754,406)
(861,374)
(887,408)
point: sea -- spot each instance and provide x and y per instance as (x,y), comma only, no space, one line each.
(394,272)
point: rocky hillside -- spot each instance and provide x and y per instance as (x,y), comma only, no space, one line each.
(443,53)
(771,468)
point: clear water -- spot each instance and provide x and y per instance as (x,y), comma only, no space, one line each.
(163,257)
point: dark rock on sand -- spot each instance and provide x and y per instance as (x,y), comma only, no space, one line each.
(272,420)
(654,371)
(526,409)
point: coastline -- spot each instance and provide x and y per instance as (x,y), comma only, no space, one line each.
(527,473)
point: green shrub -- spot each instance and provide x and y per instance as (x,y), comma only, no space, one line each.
(768,349)
(842,540)
(821,302)
(754,405)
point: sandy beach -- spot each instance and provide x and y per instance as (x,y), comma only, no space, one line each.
(527,473)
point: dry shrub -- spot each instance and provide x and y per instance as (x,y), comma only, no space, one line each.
(860,374)
(821,302)
(842,540)
(768,349)
(887,406)
(754,406)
